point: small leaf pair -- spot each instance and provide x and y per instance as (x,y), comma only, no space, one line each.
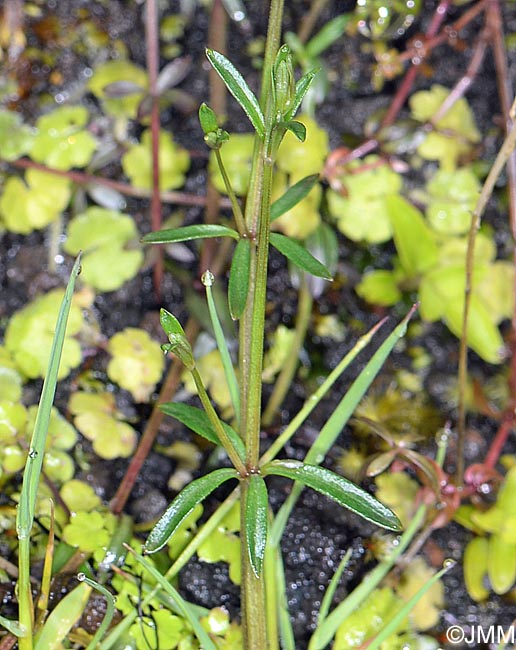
(287,95)
(342,491)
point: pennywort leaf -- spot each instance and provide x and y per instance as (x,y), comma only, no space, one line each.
(188,233)
(293,196)
(256,521)
(238,287)
(336,487)
(299,256)
(238,87)
(197,420)
(182,506)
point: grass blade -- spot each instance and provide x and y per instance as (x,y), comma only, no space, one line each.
(63,617)
(34,463)
(229,371)
(332,587)
(327,630)
(182,605)
(339,417)
(404,611)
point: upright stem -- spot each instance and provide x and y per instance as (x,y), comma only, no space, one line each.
(257,217)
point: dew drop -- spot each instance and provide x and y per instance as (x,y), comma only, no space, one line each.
(207,278)
(448,563)
(33,453)
(81,577)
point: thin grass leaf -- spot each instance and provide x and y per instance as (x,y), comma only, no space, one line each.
(327,630)
(403,612)
(110,609)
(256,521)
(339,417)
(332,587)
(327,35)
(63,617)
(299,256)
(184,608)
(197,420)
(182,506)
(32,472)
(229,371)
(238,287)
(293,196)
(344,492)
(286,631)
(189,233)
(238,87)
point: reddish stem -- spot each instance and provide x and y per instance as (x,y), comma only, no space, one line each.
(152,42)
(83,178)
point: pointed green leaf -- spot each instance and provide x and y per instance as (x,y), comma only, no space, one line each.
(344,492)
(239,278)
(207,118)
(302,87)
(256,521)
(238,87)
(197,420)
(182,506)
(293,196)
(170,324)
(299,256)
(187,233)
(297,128)
(327,35)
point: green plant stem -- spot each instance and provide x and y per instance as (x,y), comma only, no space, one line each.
(217,425)
(257,218)
(284,380)
(235,205)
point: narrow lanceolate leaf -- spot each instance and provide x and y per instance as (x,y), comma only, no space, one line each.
(197,420)
(238,287)
(299,256)
(302,87)
(344,492)
(187,233)
(171,326)
(182,506)
(256,521)
(238,87)
(293,196)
